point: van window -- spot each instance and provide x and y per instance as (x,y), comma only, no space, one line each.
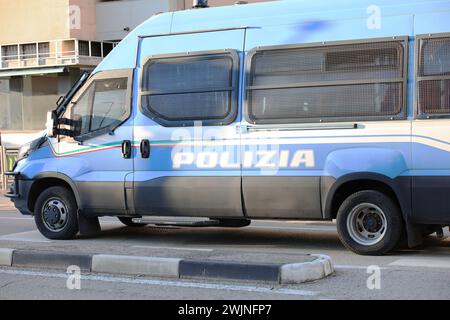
(327,83)
(179,91)
(434,76)
(103,105)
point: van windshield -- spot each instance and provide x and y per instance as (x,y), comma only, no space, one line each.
(64,101)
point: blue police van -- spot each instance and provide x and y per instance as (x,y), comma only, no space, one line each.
(289,110)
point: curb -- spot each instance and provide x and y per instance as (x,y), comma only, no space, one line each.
(161,267)
(308,271)
(6,257)
(53,260)
(229,270)
(292,273)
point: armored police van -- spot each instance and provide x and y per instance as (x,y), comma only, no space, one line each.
(294,110)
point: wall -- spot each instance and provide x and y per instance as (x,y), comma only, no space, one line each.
(33,20)
(82,19)
(113,17)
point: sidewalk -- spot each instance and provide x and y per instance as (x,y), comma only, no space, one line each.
(5,203)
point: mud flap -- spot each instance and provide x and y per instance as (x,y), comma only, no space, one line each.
(88,226)
(415,236)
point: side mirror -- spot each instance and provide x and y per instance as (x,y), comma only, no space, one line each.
(50,124)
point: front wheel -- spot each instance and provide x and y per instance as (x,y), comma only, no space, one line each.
(55,214)
(369,223)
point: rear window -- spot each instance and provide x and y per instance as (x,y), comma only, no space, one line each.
(327,83)
(433,83)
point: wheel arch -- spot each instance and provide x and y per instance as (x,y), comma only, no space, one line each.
(47,180)
(335,191)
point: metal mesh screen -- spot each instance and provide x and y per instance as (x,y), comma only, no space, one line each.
(355,80)
(196,88)
(434,76)
(435,57)
(319,102)
(190,106)
(171,75)
(434,96)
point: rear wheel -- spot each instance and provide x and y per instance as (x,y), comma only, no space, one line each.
(369,223)
(129,222)
(55,214)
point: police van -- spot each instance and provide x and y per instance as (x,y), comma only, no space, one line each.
(286,110)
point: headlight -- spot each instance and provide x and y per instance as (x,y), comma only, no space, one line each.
(30,147)
(24,151)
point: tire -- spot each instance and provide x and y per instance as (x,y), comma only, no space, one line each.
(369,223)
(55,214)
(129,222)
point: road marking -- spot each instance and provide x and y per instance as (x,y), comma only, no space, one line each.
(346,266)
(422,262)
(28,236)
(165,283)
(15,218)
(173,248)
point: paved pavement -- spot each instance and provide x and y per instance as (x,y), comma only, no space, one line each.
(423,273)
(5,203)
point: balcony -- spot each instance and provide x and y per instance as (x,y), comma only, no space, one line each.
(71,52)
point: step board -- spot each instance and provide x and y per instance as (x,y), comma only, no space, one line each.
(178,221)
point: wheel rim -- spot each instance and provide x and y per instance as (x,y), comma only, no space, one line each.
(367,224)
(54,215)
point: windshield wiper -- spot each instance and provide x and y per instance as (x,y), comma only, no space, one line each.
(63,102)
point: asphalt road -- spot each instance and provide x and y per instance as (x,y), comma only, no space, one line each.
(423,273)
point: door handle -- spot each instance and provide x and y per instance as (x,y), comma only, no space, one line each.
(145,149)
(126,149)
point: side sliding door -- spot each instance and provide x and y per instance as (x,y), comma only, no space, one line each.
(189,159)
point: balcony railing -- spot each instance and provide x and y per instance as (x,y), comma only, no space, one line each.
(54,53)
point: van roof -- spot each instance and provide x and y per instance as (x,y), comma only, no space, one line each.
(269,13)
(264,14)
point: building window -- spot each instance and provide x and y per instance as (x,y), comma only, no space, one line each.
(96,49)
(180,91)
(327,83)
(28,51)
(433,80)
(107,48)
(83,48)
(10,53)
(44,50)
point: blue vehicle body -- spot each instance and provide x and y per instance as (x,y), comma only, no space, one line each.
(242,169)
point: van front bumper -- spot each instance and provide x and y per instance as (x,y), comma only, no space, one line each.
(19,191)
